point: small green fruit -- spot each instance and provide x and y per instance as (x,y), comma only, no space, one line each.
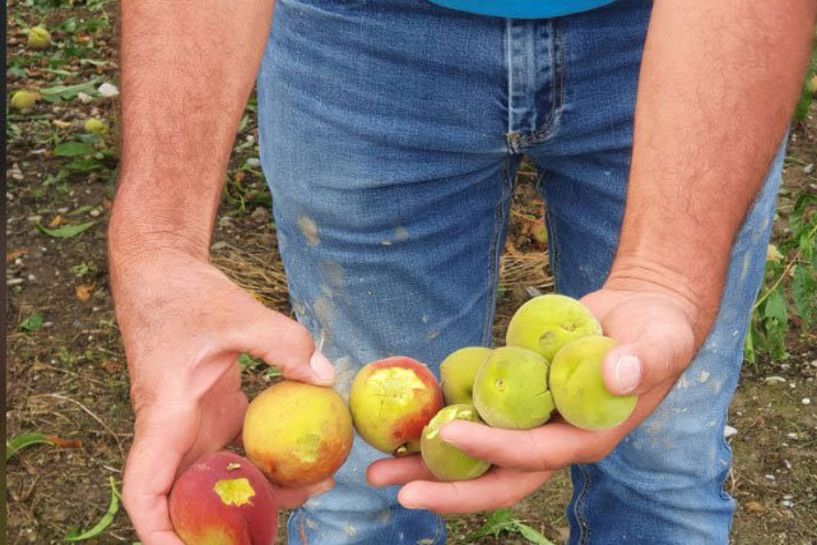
(577,384)
(548,322)
(511,389)
(445,461)
(96,126)
(24,100)
(38,38)
(458,372)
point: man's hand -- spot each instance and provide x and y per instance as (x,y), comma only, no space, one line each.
(657,342)
(184,324)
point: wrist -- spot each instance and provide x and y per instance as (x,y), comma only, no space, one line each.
(637,274)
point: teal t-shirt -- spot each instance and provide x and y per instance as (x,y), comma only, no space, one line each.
(523,9)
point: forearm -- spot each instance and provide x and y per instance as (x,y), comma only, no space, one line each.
(187,70)
(718,84)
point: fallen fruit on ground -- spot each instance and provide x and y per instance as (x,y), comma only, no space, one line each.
(445,461)
(548,322)
(577,383)
(223,500)
(392,400)
(458,372)
(39,38)
(297,434)
(511,389)
(24,100)
(96,126)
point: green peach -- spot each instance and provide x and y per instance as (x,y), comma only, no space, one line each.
(577,384)
(445,461)
(24,100)
(511,389)
(458,372)
(548,322)
(223,500)
(39,37)
(297,434)
(391,401)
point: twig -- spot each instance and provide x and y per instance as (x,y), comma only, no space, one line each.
(92,415)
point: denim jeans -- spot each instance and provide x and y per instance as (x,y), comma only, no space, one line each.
(390,134)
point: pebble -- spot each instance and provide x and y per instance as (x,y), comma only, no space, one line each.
(94,213)
(253,162)
(31,277)
(808,169)
(770,477)
(806,401)
(108,90)
(792,435)
(85,98)
(787,503)
(729,431)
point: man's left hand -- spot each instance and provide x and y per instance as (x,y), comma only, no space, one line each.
(657,341)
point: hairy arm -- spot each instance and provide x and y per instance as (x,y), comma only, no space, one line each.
(187,71)
(718,84)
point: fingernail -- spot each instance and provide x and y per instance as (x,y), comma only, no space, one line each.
(322,367)
(628,373)
(409,503)
(449,434)
(322,488)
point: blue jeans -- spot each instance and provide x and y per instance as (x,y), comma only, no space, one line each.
(391,131)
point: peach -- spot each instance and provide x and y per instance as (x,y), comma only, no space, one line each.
(445,461)
(458,372)
(577,384)
(223,500)
(391,401)
(548,322)
(511,389)
(39,38)
(298,434)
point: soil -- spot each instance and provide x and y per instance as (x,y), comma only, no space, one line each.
(68,378)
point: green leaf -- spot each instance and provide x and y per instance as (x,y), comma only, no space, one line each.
(73,149)
(775,307)
(16,444)
(804,292)
(749,348)
(532,535)
(67,92)
(32,323)
(500,521)
(69,231)
(104,522)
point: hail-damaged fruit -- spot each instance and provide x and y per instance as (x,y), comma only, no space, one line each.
(297,434)
(391,401)
(577,383)
(445,461)
(548,322)
(223,499)
(511,389)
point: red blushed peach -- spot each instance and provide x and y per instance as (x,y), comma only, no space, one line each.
(392,400)
(298,434)
(223,500)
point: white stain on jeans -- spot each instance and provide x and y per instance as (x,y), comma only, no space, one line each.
(309,229)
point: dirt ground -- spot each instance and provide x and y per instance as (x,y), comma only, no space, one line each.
(67,375)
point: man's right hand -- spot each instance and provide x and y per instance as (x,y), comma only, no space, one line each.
(184,324)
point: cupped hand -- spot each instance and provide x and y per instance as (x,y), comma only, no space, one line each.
(184,324)
(656,335)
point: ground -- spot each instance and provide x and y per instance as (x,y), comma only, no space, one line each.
(67,375)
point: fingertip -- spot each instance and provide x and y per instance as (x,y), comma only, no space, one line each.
(322,369)
(622,372)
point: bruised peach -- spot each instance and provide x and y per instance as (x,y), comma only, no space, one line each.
(223,500)
(297,434)
(511,389)
(391,401)
(577,384)
(458,371)
(446,462)
(548,322)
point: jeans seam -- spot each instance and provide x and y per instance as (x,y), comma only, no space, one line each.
(578,506)
(494,254)
(553,252)
(548,130)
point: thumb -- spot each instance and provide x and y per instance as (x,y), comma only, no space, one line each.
(281,342)
(652,359)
